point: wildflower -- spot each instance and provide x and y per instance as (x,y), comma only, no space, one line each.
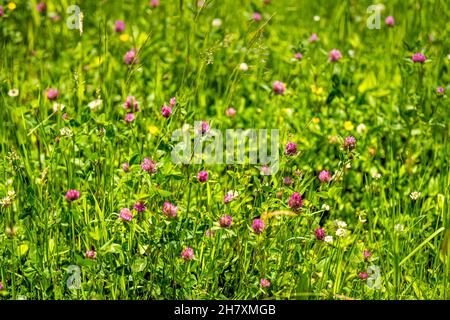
(64,116)
(11,6)
(334,55)
(349,143)
(257,16)
(295,202)
(1,15)
(298,56)
(324,176)
(170,209)
(287,181)
(41,7)
(90,254)
(361,128)
(320,233)
(124,37)
(363,275)
(58,107)
(129,117)
(325,207)
(126,166)
(131,103)
(328,239)
(243,66)
(290,149)
(204,127)
(258,226)
(7,201)
(130,57)
(341,232)
(52,94)
(415,195)
(376,175)
(279,87)
(66,132)
(72,195)
(399,228)
(95,104)
(231,112)
(351,53)
(440,90)
(187,254)
(366,255)
(54,16)
(172,101)
(154,3)
(313,38)
(264,283)
(13,92)
(348,125)
(225,221)
(148,165)
(166,111)
(340,224)
(209,233)
(202,176)
(316,18)
(216,23)
(125,214)
(418,57)
(139,207)
(119,26)
(265,170)
(231,195)
(390,21)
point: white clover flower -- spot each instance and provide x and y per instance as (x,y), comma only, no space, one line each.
(341,232)
(399,228)
(13,92)
(328,239)
(316,18)
(66,132)
(58,107)
(351,53)
(243,66)
(415,195)
(376,175)
(233,193)
(325,207)
(361,128)
(216,22)
(340,224)
(186,127)
(95,104)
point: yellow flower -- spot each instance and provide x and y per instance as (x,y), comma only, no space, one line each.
(348,125)
(317,90)
(124,37)
(315,120)
(305,202)
(11,6)
(153,129)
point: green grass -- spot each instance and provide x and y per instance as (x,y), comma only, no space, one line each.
(181,54)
